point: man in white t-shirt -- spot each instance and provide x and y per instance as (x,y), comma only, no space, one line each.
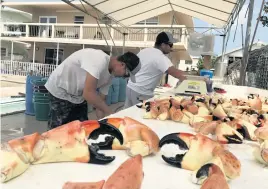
(74,84)
(154,64)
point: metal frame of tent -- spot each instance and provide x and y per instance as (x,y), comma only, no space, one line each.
(197,9)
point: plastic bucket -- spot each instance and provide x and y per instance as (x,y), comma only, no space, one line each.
(40,94)
(39,82)
(115,91)
(29,109)
(41,110)
(122,89)
(109,96)
(89,108)
(208,73)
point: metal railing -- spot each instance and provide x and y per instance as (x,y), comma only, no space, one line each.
(24,68)
(88,31)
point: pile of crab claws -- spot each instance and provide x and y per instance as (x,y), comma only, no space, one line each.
(174,138)
(104,128)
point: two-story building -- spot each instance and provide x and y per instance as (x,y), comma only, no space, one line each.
(57,30)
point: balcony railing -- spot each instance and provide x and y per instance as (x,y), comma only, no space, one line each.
(24,68)
(89,31)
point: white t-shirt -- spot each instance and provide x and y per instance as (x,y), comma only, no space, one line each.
(68,79)
(153,65)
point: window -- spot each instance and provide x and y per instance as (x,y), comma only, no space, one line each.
(51,56)
(188,62)
(3,52)
(150,21)
(79,19)
(106,20)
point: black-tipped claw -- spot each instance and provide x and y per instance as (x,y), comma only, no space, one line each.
(173,138)
(233,139)
(203,172)
(97,158)
(139,106)
(201,100)
(174,161)
(214,118)
(106,128)
(107,144)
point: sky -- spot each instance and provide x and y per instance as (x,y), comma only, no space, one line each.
(234,41)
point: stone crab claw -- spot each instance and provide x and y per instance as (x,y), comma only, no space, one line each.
(200,150)
(261,153)
(138,138)
(100,128)
(196,146)
(214,177)
(255,102)
(66,143)
(228,135)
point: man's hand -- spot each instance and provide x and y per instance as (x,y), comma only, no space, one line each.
(100,114)
(90,95)
(176,73)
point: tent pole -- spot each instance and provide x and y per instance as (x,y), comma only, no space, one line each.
(124,41)
(256,27)
(57,61)
(246,49)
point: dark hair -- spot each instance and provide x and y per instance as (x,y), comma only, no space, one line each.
(161,38)
(130,59)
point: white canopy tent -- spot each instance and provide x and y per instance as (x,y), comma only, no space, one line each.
(129,12)
(221,13)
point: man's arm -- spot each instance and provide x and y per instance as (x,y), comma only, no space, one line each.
(91,96)
(99,113)
(176,73)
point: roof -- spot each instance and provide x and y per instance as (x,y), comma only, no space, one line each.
(128,12)
(240,48)
(9,14)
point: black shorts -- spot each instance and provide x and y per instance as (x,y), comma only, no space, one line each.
(63,111)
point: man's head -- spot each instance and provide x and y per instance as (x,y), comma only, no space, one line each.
(164,42)
(126,65)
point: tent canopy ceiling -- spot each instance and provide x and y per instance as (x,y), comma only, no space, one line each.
(128,12)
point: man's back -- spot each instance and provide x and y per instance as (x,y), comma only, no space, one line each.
(153,65)
(67,80)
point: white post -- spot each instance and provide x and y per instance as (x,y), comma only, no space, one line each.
(112,33)
(53,31)
(11,58)
(27,30)
(111,50)
(145,34)
(11,55)
(83,46)
(34,52)
(81,32)
(57,61)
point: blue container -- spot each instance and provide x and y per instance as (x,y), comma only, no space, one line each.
(204,72)
(115,91)
(29,110)
(109,96)
(122,89)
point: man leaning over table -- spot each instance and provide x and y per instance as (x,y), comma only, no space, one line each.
(154,64)
(73,84)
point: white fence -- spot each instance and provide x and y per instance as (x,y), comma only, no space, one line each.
(24,68)
(88,31)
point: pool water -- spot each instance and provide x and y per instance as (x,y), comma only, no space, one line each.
(10,105)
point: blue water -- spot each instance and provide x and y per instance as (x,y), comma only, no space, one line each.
(10,105)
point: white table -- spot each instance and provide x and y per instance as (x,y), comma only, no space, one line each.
(158,174)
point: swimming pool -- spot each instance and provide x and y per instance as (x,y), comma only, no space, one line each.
(10,105)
